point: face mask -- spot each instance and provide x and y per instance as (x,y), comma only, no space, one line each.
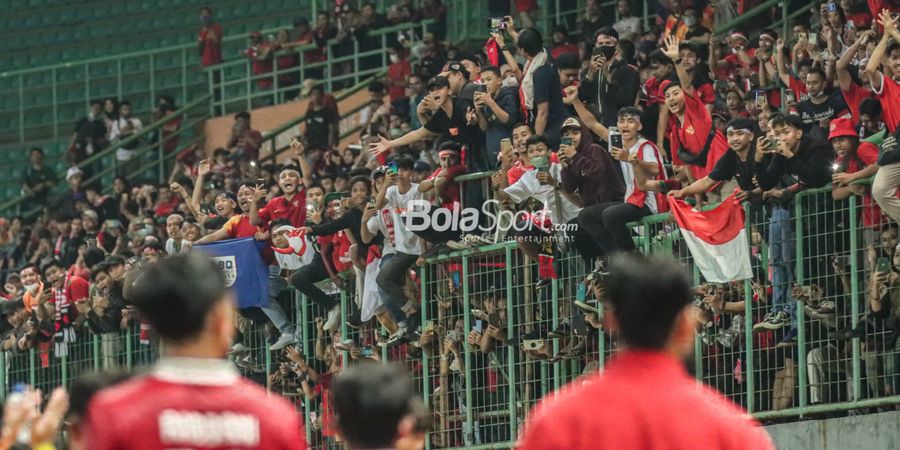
(31,287)
(690,21)
(394,59)
(510,81)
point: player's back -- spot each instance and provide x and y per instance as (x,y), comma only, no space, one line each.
(177,407)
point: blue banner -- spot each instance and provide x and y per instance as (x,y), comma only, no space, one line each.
(245,272)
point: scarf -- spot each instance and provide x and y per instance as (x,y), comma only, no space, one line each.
(65,332)
(526,91)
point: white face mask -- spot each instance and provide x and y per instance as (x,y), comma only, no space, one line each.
(394,59)
(31,287)
(510,81)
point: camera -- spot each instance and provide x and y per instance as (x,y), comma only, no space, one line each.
(532,344)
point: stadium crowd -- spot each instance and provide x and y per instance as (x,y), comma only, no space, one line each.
(584,132)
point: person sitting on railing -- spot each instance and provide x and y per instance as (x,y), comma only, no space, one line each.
(855,161)
(740,163)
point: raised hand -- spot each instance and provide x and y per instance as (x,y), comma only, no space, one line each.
(298,148)
(381,146)
(571,95)
(671,47)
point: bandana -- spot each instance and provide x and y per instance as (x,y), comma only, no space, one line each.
(742,130)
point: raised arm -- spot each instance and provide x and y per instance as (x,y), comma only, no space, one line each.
(584,114)
(783,74)
(384,144)
(684,78)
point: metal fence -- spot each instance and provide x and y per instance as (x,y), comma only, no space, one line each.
(493,342)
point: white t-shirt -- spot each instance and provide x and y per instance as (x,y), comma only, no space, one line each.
(170,246)
(648,154)
(405,241)
(123,154)
(560,208)
(299,253)
(382,223)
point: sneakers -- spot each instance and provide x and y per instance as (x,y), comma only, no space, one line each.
(789,340)
(395,337)
(458,245)
(334,317)
(561,331)
(591,305)
(238,348)
(283,341)
(773,321)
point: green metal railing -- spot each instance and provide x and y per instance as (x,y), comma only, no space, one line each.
(235,87)
(149,151)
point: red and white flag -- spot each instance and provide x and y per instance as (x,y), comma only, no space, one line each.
(716,238)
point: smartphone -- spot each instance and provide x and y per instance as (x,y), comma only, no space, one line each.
(606,51)
(429,326)
(532,344)
(831,7)
(579,325)
(366,351)
(760,98)
(812,39)
(480,87)
(494,319)
(581,292)
(392,166)
(789,96)
(565,140)
(615,139)
(455,277)
(505,145)
(883,265)
(453,335)
(479,326)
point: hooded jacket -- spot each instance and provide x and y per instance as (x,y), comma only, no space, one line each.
(592,173)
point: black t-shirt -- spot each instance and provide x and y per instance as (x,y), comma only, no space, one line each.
(730,166)
(548,89)
(811,113)
(317,123)
(453,127)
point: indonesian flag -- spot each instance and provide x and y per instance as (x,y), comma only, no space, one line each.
(716,238)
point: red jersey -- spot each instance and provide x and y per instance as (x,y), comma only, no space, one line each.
(516,171)
(649,401)
(650,92)
(239,226)
(398,71)
(210,51)
(340,249)
(450,193)
(261,67)
(705,92)
(192,403)
(866,155)
(280,207)
(853,97)
(889,96)
(693,133)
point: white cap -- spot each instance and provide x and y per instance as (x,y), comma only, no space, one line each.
(284,228)
(72,172)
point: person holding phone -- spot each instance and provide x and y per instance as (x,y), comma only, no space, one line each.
(497,108)
(610,82)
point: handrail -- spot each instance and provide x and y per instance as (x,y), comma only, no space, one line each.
(739,20)
(111,149)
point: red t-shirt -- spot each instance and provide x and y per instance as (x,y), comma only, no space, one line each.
(261,67)
(866,155)
(211,54)
(853,97)
(166,208)
(642,400)
(526,5)
(889,96)
(398,71)
(450,193)
(561,49)
(651,93)
(280,207)
(239,227)
(224,411)
(706,93)
(692,135)
(799,88)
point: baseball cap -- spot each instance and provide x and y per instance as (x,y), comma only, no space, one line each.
(72,172)
(438,82)
(841,127)
(456,66)
(421,166)
(571,122)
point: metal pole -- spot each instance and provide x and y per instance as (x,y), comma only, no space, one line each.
(153,80)
(426,366)
(55,102)
(467,349)
(748,325)
(801,319)
(854,295)
(511,350)
(21,108)
(184,71)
